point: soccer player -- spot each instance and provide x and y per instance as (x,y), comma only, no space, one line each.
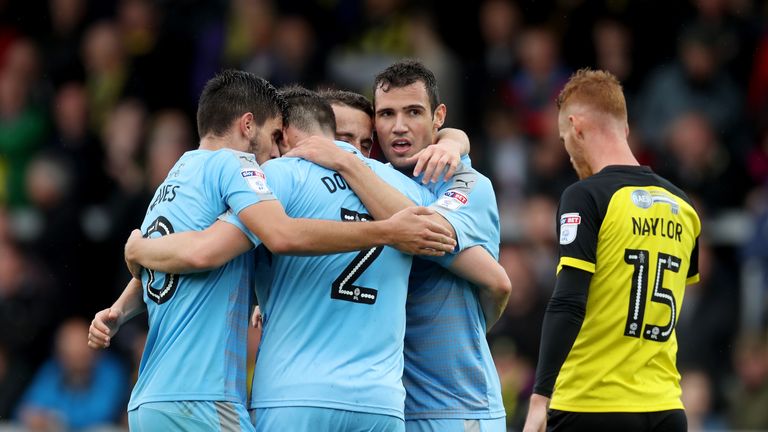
(628,247)
(354,118)
(193,368)
(354,124)
(450,379)
(293,368)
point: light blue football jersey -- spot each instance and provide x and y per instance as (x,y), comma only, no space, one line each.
(333,324)
(196,345)
(449,372)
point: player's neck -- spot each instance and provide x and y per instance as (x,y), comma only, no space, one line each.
(616,153)
(213,143)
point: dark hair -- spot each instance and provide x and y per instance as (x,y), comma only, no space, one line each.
(306,109)
(404,73)
(232,93)
(348,98)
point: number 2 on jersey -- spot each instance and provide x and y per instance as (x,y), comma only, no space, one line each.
(640,259)
(343,287)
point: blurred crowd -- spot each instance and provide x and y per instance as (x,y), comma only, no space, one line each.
(97,101)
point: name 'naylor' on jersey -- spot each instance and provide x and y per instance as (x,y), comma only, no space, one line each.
(657,227)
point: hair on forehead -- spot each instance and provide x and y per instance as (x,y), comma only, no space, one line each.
(596,89)
(404,73)
(232,93)
(348,98)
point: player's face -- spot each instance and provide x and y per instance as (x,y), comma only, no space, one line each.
(354,126)
(573,145)
(265,139)
(404,122)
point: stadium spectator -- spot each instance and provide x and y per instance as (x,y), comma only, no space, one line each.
(76,389)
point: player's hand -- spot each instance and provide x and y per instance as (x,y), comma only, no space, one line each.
(105,324)
(413,233)
(257,321)
(133,266)
(537,414)
(321,151)
(443,157)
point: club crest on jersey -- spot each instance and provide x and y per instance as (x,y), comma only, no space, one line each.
(256,180)
(642,198)
(452,200)
(569,226)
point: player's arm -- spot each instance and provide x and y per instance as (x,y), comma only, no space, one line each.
(411,230)
(562,323)
(476,265)
(211,248)
(107,322)
(442,158)
(189,251)
(381,199)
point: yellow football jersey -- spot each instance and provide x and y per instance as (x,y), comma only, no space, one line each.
(638,234)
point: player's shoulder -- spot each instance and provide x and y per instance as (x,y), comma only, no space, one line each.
(232,157)
(468,180)
(673,189)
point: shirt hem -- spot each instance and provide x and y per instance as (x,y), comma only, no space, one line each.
(617,408)
(470,415)
(183,397)
(370,409)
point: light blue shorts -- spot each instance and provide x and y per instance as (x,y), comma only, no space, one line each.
(457,425)
(190,416)
(313,419)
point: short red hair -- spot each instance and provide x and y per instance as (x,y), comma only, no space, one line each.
(599,90)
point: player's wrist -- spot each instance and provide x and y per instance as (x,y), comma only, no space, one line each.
(346,162)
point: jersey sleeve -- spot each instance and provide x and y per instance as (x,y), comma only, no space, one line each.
(242,182)
(578,226)
(230,217)
(693,269)
(468,202)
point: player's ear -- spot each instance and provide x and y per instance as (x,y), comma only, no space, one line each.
(438,118)
(246,124)
(576,124)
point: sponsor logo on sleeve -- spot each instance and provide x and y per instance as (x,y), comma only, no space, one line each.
(256,180)
(452,200)
(569,226)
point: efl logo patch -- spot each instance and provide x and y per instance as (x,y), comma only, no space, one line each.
(452,200)
(256,180)
(569,226)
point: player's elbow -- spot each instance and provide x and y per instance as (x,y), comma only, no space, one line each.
(281,243)
(501,287)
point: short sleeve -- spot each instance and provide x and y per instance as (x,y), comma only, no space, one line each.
(231,218)
(242,182)
(468,202)
(578,226)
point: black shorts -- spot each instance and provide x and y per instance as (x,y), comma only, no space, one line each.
(658,421)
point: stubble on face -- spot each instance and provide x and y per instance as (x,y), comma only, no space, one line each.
(403,122)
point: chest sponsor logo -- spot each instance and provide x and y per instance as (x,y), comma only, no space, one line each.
(256,180)
(452,200)
(569,227)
